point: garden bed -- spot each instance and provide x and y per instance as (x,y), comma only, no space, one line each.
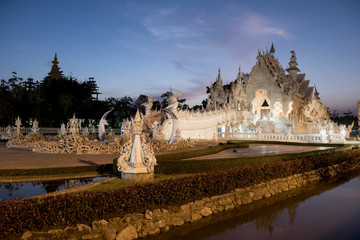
(85,207)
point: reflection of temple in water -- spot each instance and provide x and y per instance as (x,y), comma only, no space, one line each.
(51,186)
(265,223)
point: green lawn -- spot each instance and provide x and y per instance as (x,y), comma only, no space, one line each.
(118,183)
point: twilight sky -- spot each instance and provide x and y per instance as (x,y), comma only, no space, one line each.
(146,47)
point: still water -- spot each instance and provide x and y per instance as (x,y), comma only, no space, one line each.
(319,211)
(28,189)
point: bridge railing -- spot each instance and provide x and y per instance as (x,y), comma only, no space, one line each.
(296,137)
(52,131)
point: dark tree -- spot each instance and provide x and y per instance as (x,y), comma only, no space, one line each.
(203,105)
(139,101)
(17,100)
(123,108)
(62,98)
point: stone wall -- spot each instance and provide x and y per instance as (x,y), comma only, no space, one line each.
(133,226)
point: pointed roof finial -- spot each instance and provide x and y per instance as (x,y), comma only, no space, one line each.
(55,61)
(137,123)
(272,49)
(55,69)
(292,69)
(239,73)
(218,79)
(316,92)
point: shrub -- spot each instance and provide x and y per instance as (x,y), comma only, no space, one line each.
(207,165)
(84,207)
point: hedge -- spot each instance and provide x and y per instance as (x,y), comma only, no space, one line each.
(208,165)
(85,207)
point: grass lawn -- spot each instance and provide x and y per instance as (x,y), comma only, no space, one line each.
(48,177)
(118,183)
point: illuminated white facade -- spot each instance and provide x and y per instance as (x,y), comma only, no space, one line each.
(270,102)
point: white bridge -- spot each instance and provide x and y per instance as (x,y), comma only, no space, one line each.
(296,137)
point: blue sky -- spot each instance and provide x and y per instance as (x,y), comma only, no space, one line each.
(146,47)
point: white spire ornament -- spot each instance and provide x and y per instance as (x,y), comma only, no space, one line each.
(137,159)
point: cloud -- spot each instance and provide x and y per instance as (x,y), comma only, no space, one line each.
(209,30)
(188,46)
(183,65)
(254,24)
(165,32)
(163,25)
(211,36)
(24,47)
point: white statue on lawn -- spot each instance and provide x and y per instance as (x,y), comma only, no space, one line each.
(137,160)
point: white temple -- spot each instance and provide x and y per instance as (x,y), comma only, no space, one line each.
(270,103)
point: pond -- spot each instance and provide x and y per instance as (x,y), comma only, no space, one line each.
(320,211)
(18,190)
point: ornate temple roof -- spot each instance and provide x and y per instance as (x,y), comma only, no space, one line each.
(300,77)
(291,83)
(55,69)
(293,64)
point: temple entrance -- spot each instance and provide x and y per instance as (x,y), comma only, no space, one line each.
(264,110)
(264,113)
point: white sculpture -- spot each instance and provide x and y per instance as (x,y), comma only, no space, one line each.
(171,109)
(85,132)
(102,132)
(62,131)
(93,131)
(310,126)
(35,127)
(126,129)
(34,136)
(323,125)
(148,105)
(173,102)
(156,131)
(18,126)
(73,126)
(137,160)
(8,131)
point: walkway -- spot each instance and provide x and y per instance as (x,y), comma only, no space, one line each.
(24,158)
(261,150)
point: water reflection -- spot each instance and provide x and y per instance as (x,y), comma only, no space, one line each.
(27,189)
(319,211)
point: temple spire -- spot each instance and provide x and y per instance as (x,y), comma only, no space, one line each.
(292,69)
(239,74)
(55,69)
(316,92)
(272,49)
(219,77)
